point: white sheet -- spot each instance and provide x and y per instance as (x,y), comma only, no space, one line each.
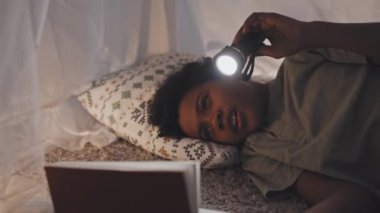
(50,49)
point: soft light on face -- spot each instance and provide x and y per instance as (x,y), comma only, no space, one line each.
(226,65)
(225,111)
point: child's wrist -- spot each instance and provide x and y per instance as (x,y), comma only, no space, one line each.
(306,35)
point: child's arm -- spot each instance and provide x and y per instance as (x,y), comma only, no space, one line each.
(362,38)
(289,36)
(325,194)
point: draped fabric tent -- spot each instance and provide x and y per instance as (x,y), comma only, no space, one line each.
(50,49)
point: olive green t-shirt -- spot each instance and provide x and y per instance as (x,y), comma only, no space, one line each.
(323,116)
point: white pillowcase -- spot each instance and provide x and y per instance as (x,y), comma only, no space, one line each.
(120,102)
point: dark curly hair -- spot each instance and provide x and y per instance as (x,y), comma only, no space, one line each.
(163,109)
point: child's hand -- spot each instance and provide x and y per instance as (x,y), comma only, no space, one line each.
(285,34)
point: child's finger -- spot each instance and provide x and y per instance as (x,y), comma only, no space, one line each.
(238,35)
(251,24)
(267,21)
(265,50)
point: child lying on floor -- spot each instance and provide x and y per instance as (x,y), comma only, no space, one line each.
(314,129)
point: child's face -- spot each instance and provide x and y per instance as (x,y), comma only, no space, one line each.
(226,111)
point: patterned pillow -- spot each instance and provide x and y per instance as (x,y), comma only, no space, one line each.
(120,102)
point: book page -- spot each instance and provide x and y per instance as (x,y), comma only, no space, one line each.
(201,210)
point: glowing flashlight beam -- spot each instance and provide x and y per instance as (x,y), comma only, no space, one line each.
(226,64)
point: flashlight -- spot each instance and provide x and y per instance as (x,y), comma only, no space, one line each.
(232,59)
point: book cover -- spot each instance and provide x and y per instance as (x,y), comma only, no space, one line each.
(153,186)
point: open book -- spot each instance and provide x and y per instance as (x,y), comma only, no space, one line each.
(144,186)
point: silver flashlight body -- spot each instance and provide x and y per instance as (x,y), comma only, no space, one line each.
(241,52)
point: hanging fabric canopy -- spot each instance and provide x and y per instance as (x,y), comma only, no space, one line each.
(50,49)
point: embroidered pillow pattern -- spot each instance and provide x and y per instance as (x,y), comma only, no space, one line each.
(120,101)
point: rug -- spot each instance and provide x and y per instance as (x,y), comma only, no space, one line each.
(227,189)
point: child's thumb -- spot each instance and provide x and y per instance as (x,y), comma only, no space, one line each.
(265,50)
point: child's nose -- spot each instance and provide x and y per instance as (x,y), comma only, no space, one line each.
(218,120)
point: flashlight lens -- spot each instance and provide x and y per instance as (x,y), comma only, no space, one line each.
(226,64)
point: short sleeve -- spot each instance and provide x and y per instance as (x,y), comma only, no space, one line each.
(268,175)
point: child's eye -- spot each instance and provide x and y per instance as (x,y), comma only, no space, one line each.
(205,102)
(206,133)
